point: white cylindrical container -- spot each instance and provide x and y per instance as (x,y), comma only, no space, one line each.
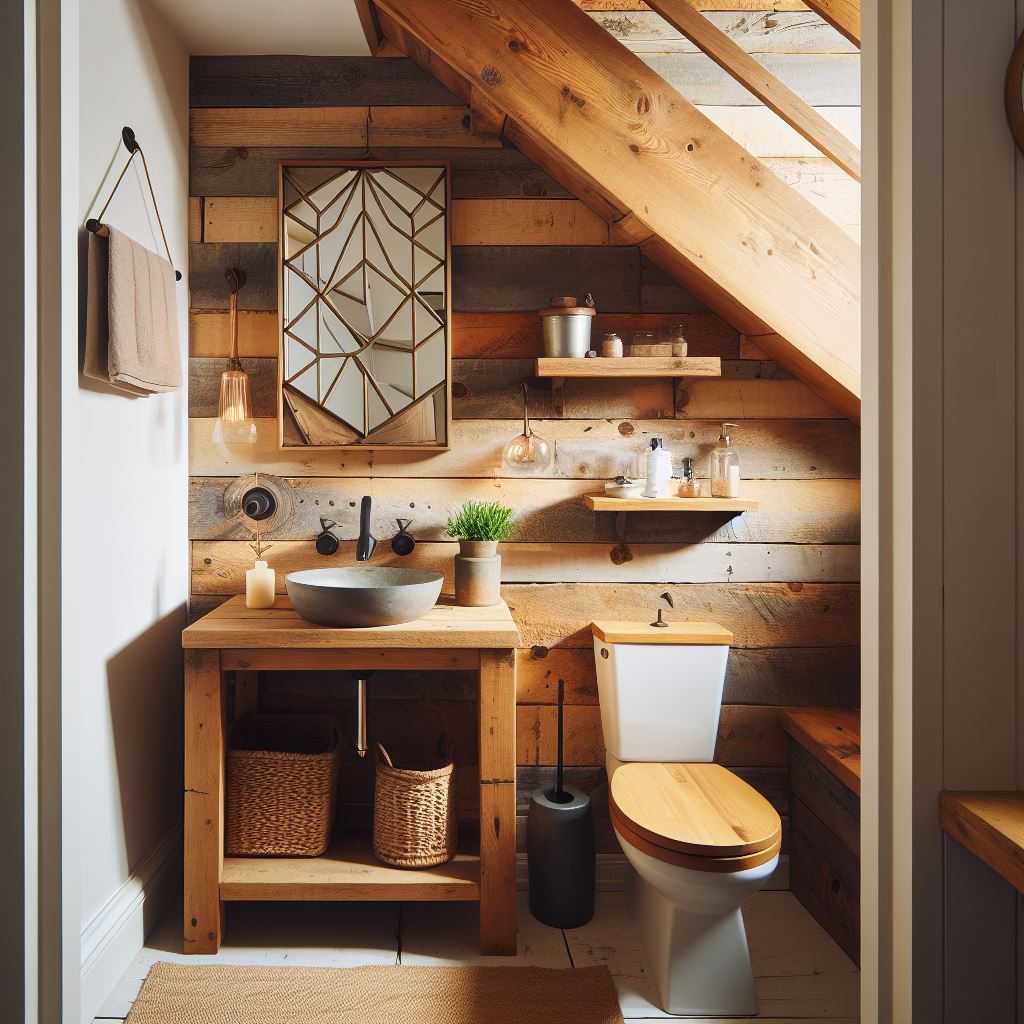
(659,470)
(260,584)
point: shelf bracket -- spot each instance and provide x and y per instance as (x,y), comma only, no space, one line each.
(620,526)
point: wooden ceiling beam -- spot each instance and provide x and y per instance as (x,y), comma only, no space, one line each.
(842,15)
(626,142)
(758,80)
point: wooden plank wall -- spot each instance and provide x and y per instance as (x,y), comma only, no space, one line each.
(784,579)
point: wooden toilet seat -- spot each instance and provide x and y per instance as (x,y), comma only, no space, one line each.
(699,816)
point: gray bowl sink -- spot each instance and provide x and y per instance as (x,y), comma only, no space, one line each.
(363,595)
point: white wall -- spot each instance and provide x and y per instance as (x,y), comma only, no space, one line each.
(943,601)
(125,547)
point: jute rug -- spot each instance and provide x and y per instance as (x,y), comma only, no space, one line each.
(181,994)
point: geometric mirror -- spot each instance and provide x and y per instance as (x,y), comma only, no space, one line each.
(364,286)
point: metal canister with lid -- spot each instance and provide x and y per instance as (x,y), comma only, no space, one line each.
(566,327)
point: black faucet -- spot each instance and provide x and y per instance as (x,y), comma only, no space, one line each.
(367,542)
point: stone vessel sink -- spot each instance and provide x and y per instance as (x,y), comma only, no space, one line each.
(363,595)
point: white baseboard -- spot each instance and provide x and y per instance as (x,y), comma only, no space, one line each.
(114,936)
(613,870)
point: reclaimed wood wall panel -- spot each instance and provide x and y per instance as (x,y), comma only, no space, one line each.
(784,578)
(285,126)
(312,82)
(593,449)
(209,334)
(207,262)
(252,171)
(761,31)
(499,278)
(489,389)
(218,567)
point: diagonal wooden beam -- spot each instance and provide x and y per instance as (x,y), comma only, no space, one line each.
(842,15)
(368,23)
(732,58)
(759,252)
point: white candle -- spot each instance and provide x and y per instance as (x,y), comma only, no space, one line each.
(260,584)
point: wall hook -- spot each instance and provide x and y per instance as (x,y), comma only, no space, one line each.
(96,225)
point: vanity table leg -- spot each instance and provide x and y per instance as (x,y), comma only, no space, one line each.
(205,714)
(498,802)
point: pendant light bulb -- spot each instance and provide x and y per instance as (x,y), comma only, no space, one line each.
(235,422)
(528,452)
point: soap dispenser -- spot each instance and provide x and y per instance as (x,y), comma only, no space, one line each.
(725,466)
(659,469)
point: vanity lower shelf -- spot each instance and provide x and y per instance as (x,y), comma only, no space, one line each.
(348,871)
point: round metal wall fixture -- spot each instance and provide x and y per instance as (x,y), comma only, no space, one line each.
(269,497)
(1014,93)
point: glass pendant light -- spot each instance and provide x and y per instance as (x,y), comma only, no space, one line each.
(235,423)
(528,452)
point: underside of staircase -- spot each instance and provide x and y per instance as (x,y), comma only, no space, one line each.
(556,85)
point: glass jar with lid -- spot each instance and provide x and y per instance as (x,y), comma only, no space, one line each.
(676,337)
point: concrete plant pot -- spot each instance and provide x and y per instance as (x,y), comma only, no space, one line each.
(477,573)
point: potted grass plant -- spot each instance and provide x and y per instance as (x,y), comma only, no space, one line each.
(479,526)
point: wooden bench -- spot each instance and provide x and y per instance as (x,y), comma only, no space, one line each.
(825,818)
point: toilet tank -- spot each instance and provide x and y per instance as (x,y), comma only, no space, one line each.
(660,689)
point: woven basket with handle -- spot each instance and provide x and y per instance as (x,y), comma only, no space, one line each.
(414,824)
(280,787)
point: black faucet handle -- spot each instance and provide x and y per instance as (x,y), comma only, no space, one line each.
(403,542)
(326,542)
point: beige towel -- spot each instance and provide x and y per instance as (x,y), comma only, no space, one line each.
(131,337)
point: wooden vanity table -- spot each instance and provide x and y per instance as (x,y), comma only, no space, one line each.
(235,639)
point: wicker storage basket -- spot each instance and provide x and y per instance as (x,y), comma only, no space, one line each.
(281,785)
(414,824)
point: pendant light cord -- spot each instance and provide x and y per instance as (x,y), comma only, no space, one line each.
(236,280)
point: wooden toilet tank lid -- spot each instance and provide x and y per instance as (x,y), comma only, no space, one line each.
(700,809)
(709,633)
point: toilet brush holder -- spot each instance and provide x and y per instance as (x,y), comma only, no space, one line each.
(560,848)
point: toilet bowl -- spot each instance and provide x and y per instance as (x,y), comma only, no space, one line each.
(700,839)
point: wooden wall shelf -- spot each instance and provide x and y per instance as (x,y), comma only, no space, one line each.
(603,503)
(631,366)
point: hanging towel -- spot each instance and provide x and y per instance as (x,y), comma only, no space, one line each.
(131,338)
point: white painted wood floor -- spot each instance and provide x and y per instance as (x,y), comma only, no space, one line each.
(801,973)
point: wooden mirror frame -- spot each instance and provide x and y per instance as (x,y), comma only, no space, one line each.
(290,436)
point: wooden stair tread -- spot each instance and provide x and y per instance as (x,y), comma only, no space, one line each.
(991,826)
(641,155)
(831,736)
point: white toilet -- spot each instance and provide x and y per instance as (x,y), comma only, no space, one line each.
(700,838)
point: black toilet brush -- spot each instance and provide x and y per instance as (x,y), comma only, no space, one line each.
(560,846)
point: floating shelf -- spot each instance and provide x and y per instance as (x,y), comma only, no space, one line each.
(631,366)
(347,871)
(604,503)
